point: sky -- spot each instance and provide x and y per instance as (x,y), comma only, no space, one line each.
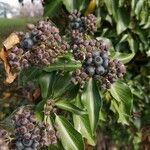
(11,2)
(15,2)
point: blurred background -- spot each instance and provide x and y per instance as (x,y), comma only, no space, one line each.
(15,14)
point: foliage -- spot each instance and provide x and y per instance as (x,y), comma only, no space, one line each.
(75,111)
(124,25)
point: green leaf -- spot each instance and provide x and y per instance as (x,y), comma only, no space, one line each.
(62,84)
(44,82)
(92,102)
(132,43)
(30,74)
(39,110)
(123,20)
(57,146)
(121,3)
(122,93)
(64,65)
(82,123)
(81,5)
(117,108)
(138,7)
(147,25)
(51,8)
(70,5)
(108,4)
(123,57)
(102,115)
(66,105)
(70,138)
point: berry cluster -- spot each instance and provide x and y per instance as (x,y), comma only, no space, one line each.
(81,24)
(116,69)
(40,46)
(49,107)
(48,44)
(92,53)
(79,76)
(95,63)
(83,48)
(16,59)
(30,134)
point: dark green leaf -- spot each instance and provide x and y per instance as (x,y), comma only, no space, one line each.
(30,74)
(57,146)
(123,57)
(108,4)
(118,108)
(92,102)
(82,123)
(138,7)
(81,5)
(39,110)
(44,82)
(122,93)
(123,20)
(64,65)
(70,138)
(62,84)
(66,105)
(52,7)
(70,5)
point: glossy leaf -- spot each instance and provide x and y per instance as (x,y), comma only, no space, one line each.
(70,5)
(138,7)
(82,123)
(44,82)
(92,102)
(117,108)
(52,7)
(39,110)
(66,105)
(122,93)
(81,5)
(108,4)
(123,57)
(70,138)
(30,74)
(63,65)
(61,85)
(123,20)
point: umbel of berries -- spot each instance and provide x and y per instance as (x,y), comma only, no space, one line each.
(96,64)
(47,44)
(38,47)
(80,23)
(30,134)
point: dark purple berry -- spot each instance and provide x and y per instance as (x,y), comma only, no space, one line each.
(100,70)
(89,61)
(27,142)
(90,70)
(98,60)
(105,63)
(27,44)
